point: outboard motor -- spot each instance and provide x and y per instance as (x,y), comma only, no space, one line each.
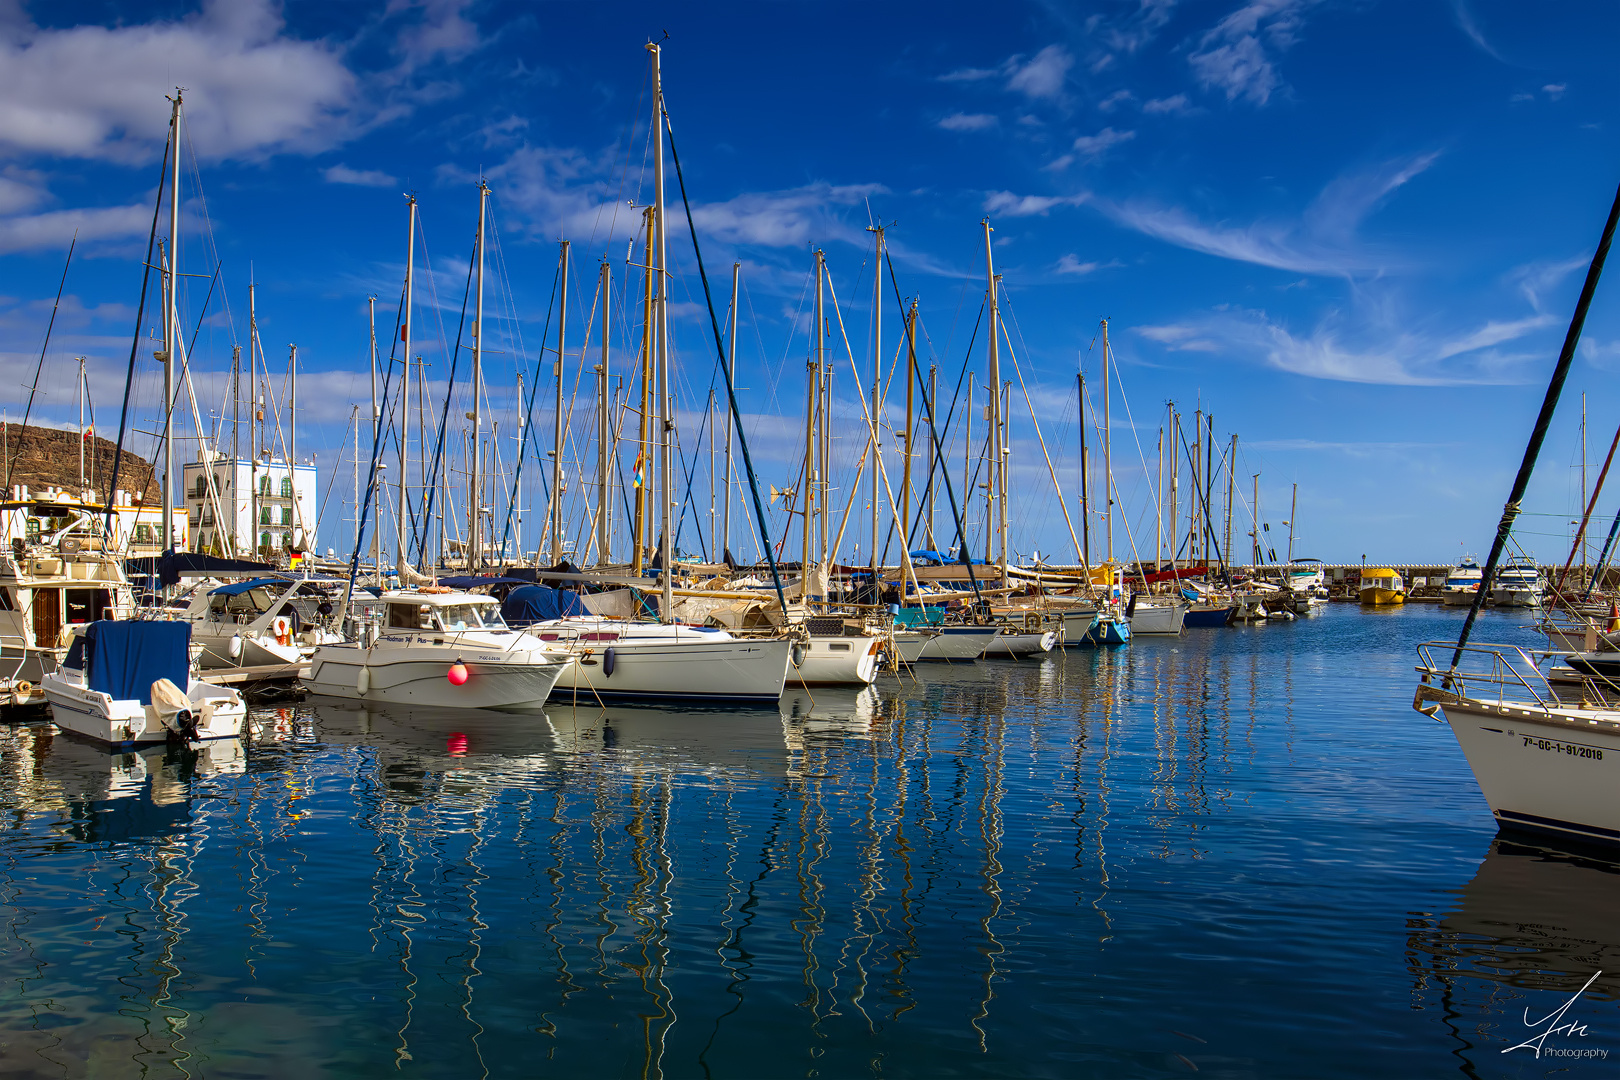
(174,710)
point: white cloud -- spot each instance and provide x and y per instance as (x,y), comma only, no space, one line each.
(57,227)
(1470,28)
(98,92)
(1378,350)
(442,31)
(1235,57)
(1176,103)
(1555,90)
(1130,32)
(1092,146)
(1115,100)
(1010,205)
(1537,278)
(1071,264)
(342,174)
(968,122)
(1321,242)
(1604,355)
(1042,76)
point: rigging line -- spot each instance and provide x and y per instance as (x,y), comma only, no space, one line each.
(939,451)
(528,417)
(50,326)
(431,481)
(731,390)
(320,513)
(383,424)
(134,350)
(1062,504)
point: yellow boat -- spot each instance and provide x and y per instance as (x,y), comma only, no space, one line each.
(1382,586)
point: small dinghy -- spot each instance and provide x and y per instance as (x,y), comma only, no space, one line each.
(121,683)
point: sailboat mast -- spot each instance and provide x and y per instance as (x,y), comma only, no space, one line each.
(905,465)
(933,455)
(171,324)
(376,418)
(1293,508)
(1085,479)
(557,415)
(811,415)
(643,452)
(253,417)
(1108,450)
(877,390)
(1231,473)
(301,536)
(475,476)
(604,429)
(666,423)
(731,362)
(995,494)
(81,424)
(405,391)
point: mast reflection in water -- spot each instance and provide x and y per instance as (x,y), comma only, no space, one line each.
(1231,852)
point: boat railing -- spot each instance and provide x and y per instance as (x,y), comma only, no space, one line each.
(1506,668)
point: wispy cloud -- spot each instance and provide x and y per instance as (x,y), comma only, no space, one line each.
(1127,33)
(1470,28)
(967,122)
(342,174)
(1092,146)
(1342,350)
(1175,103)
(1007,204)
(1322,241)
(1236,56)
(1537,278)
(1070,265)
(1036,77)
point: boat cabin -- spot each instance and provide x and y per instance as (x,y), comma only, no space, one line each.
(442,612)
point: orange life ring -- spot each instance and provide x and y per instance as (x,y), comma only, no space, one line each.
(282,628)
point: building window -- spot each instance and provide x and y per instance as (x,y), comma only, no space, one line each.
(264,515)
(202,486)
(286,487)
(264,540)
(286,515)
(264,485)
(286,541)
(143,534)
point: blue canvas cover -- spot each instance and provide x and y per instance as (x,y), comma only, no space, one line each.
(126,658)
(535,603)
(237,588)
(920,616)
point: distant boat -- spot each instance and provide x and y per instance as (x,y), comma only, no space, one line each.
(1462,584)
(1518,584)
(1307,583)
(1382,587)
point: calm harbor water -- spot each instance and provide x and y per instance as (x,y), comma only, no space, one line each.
(1237,853)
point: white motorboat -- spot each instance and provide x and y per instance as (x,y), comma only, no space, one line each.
(441,648)
(1307,584)
(259,622)
(1155,615)
(1462,584)
(1518,583)
(628,659)
(1543,765)
(120,683)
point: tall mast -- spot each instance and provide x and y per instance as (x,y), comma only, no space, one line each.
(967,464)
(1085,482)
(1195,535)
(292,442)
(1158,510)
(731,362)
(812,385)
(475,532)
(877,388)
(905,465)
(1254,519)
(1231,490)
(666,421)
(933,454)
(604,429)
(995,494)
(376,415)
(643,470)
(171,323)
(1108,448)
(81,425)
(557,415)
(1175,482)
(253,419)
(405,392)
(1293,508)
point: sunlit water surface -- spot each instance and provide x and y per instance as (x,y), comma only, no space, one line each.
(1237,853)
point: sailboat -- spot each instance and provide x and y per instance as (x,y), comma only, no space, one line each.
(1543,764)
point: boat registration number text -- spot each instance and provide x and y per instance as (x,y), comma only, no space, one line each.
(1556,747)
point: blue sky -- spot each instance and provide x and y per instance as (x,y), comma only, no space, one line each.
(1353,230)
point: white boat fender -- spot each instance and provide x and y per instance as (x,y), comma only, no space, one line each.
(610,660)
(173,708)
(362,682)
(236,646)
(798,654)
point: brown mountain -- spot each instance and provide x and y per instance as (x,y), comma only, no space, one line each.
(42,457)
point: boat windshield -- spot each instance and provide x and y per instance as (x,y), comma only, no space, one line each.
(470,617)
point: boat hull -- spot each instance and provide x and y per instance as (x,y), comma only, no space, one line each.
(1376,596)
(1452,596)
(1207,617)
(1542,771)
(1516,597)
(220,713)
(740,670)
(836,661)
(1157,618)
(1019,644)
(958,643)
(1108,631)
(395,677)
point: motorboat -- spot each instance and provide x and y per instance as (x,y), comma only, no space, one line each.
(1382,587)
(1307,584)
(130,682)
(442,648)
(1543,764)
(259,622)
(627,659)
(1517,583)
(1462,584)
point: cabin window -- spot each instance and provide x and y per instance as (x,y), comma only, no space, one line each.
(838,646)
(410,616)
(6,601)
(286,487)
(88,605)
(453,617)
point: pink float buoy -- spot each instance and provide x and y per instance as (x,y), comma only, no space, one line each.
(457,673)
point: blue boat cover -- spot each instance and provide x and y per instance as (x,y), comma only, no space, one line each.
(237,588)
(126,658)
(535,603)
(467,582)
(920,616)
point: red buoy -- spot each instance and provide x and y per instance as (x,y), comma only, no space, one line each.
(457,674)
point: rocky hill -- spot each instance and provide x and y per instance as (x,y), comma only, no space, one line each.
(42,457)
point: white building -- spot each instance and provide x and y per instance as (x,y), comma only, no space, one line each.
(265,506)
(136,527)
